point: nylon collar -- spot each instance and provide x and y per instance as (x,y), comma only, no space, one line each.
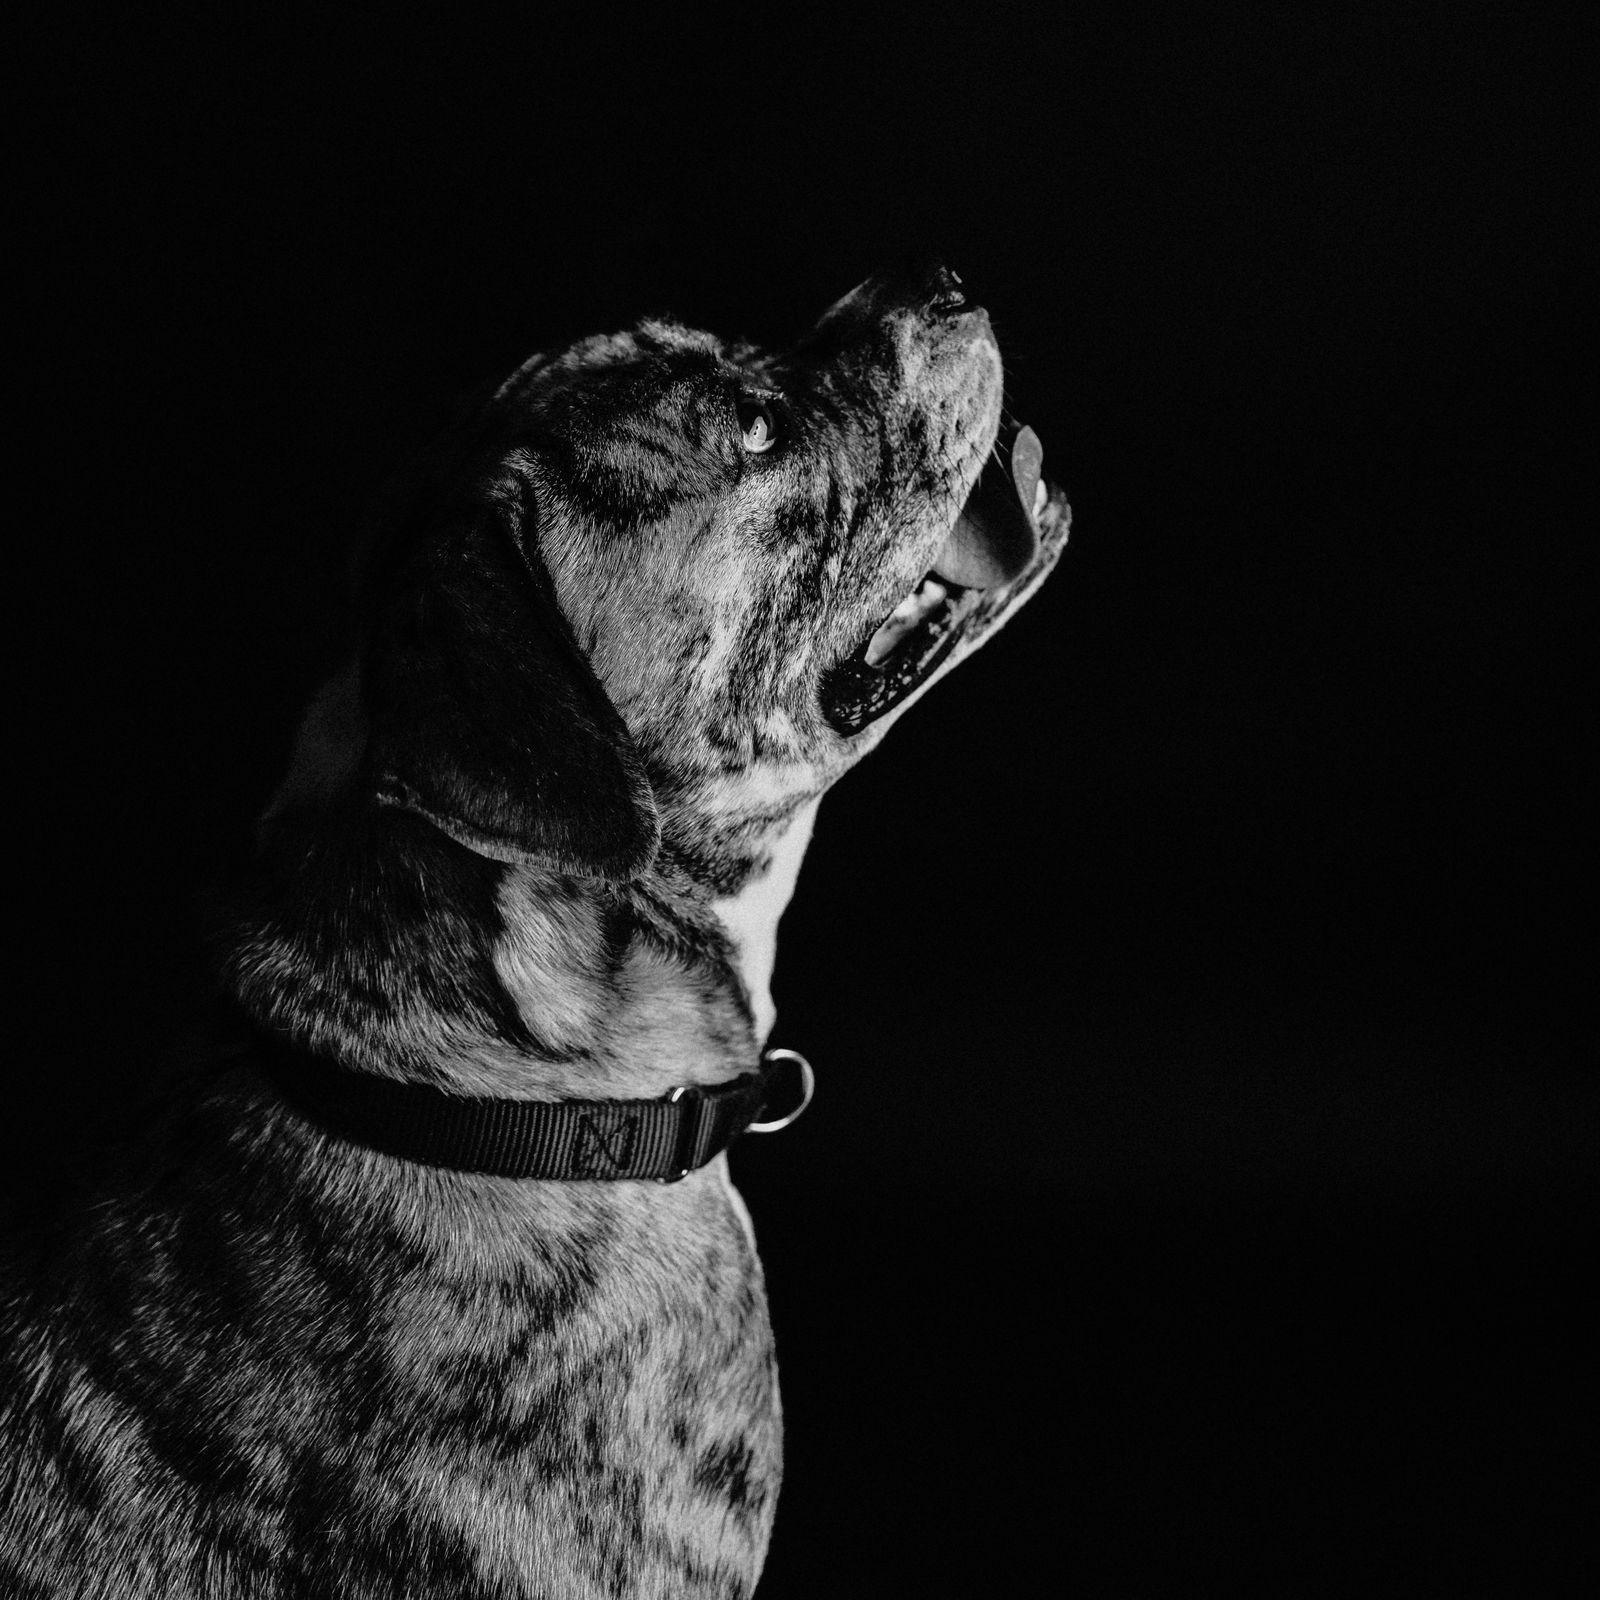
(664,1139)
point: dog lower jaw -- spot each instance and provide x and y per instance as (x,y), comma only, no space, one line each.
(899,657)
(861,704)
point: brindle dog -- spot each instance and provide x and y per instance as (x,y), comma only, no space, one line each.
(636,618)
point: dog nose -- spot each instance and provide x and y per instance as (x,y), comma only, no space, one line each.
(935,287)
(922,285)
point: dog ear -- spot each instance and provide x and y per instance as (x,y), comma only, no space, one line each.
(486,717)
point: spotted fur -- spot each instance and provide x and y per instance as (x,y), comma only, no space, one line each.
(534,843)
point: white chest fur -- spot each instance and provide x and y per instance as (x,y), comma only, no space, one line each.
(751,916)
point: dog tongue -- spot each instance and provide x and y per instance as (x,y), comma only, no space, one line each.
(995,537)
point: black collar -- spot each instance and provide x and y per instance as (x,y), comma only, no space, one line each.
(664,1139)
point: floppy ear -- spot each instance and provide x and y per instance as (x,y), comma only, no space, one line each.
(486,717)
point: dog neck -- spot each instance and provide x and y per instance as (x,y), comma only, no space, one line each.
(750,915)
(739,836)
(515,980)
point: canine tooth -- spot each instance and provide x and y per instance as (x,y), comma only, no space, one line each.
(922,601)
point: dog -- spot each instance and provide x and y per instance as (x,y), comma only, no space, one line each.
(632,618)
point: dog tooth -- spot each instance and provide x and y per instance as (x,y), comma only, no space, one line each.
(918,605)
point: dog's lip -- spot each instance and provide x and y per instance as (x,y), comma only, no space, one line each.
(995,539)
(994,542)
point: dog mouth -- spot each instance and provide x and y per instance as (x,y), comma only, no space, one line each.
(994,541)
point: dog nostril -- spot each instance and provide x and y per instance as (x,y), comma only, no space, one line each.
(925,284)
(944,290)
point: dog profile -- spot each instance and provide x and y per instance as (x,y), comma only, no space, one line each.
(631,621)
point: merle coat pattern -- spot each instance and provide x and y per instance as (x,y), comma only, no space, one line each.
(533,843)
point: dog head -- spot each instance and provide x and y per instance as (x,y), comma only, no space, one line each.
(666,588)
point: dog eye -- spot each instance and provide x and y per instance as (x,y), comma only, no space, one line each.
(757,425)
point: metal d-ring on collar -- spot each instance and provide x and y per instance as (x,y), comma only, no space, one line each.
(808,1087)
(773,1062)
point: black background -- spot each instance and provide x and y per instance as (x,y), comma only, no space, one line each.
(1199,1174)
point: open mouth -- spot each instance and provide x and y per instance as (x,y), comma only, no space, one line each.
(994,541)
